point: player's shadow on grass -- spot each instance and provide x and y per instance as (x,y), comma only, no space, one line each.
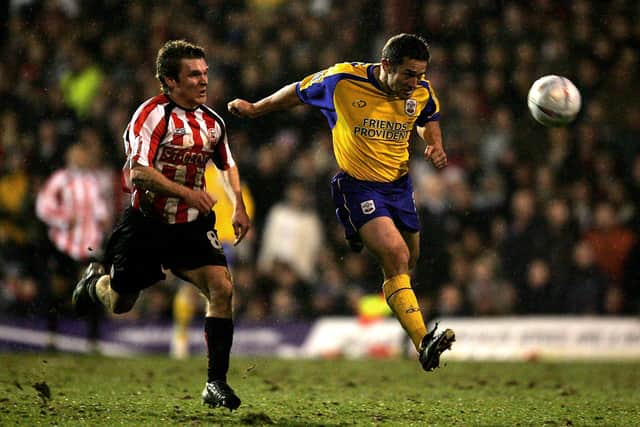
(249,419)
(297,423)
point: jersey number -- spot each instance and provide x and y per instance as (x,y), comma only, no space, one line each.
(211,235)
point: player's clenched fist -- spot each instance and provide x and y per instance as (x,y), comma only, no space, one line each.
(241,108)
(201,200)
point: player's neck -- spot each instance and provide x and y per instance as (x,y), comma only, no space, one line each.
(182,103)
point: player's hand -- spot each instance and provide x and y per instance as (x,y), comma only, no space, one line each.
(241,108)
(241,224)
(200,200)
(436,154)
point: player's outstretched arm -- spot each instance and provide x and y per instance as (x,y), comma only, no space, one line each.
(283,99)
(432,135)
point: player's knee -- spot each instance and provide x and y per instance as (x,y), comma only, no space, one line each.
(398,256)
(395,263)
(220,291)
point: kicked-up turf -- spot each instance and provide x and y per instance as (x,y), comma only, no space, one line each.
(61,389)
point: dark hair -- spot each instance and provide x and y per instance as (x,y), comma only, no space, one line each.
(404,45)
(169,56)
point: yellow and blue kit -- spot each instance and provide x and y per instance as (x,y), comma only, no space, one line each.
(371,132)
(370,129)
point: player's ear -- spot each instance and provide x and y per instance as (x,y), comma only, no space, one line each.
(170,82)
(385,64)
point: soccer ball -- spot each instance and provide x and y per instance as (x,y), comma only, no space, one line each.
(554,100)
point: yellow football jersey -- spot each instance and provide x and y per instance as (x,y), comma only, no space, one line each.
(370,129)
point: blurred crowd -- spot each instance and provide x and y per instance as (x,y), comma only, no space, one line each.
(524,220)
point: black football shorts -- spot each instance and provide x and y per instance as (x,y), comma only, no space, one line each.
(140,247)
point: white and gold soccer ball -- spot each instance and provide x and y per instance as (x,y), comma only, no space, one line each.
(554,100)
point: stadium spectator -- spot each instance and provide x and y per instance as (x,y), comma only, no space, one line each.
(585,288)
(169,141)
(15,187)
(76,211)
(525,237)
(488,292)
(372,192)
(451,301)
(560,236)
(22,286)
(50,151)
(270,171)
(536,296)
(292,233)
(81,82)
(462,214)
(431,200)
(329,297)
(614,301)
(611,242)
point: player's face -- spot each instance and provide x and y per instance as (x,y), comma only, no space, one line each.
(403,78)
(190,88)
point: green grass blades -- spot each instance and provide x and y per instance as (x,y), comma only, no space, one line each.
(58,389)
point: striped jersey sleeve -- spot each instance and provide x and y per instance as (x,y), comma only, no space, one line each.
(221,155)
(145,131)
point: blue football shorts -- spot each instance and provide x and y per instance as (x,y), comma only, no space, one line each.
(359,201)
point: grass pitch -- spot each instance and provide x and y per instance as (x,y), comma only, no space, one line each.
(52,389)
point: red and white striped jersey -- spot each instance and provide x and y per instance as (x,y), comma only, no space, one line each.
(178,143)
(71,202)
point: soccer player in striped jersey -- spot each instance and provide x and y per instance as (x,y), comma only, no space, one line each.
(372,109)
(74,205)
(170,223)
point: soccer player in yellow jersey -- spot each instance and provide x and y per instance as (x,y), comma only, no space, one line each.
(372,110)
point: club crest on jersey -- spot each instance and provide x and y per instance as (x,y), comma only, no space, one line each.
(211,134)
(368,207)
(410,106)
(318,76)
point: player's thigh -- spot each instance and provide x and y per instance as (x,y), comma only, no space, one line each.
(381,236)
(214,281)
(194,245)
(133,254)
